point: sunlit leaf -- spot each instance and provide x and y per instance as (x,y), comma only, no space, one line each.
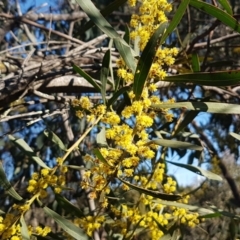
(226,6)
(224,78)
(24,229)
(195,63)
(176,19)
(175,144)
(75,167)
(124,49)
(188,118)
(100,156)
(217,13)
(54,138)
(68,206)
(198,170)
(155,194)
(116,95)
(235,135)
(201,211)
(211,107)
(105,12)
(87,77)
(146,60)
(101,138)
(126,36)
(70,228)
(6,185)
(20,143)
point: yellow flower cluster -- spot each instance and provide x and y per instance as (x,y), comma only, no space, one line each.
(40,182)
(11,230)
(84,107)
(152,13)
(129,147)
(90,223)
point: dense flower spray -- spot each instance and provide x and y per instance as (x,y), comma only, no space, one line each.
(120,164)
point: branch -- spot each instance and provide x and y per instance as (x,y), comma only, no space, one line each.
(27,21)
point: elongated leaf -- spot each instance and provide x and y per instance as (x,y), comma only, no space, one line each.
(166,237)
(54,138)
(201,211)
(146,60)
(124,49)
(104,73)
(66,225)
(198,170)
(126,36)
(176,19)
(175,144)
(195,63)
(75,167)
(164,230)
(235,135)
(217,13)
(101,138)
(7,185)
(20,143)
(116,95)
(226,6)
(224,78)
(24,229)
(105,12)
(155,194)
(211,107)
(187,119)
(68,206)
(100,156)
(87,77)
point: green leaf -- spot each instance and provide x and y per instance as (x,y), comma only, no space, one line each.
(187,119)
(223,78)
(226,6)
(155,194)
(54,138)
(104,73)
(24,229)
(195,63)
(7,185)
(75,167)
(126,36)
(105,12)
(176,19)
(116,95)
(201,211)
(217,13)
(68,206)
(146,60)
(20,143)
(175,144)
(198,170)
(211,107)
(66,225)
(100,156)
(87,77)
(235,135)
(124,49)
(160,227)
(166,237)
(101,138)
